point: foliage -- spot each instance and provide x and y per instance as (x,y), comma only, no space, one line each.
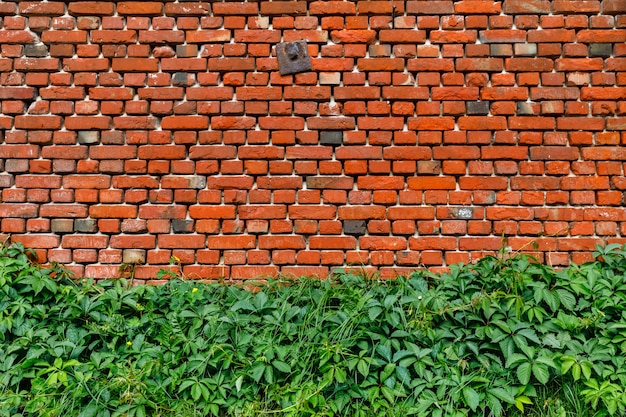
(483,339)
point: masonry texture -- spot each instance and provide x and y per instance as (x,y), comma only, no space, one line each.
(426,133)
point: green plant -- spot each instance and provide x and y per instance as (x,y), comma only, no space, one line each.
(504,336)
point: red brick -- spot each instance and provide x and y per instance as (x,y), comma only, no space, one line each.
(529,64)
(432,243)
(249,272)
(432,183)
(482,123)
(455,93)
(480,64)
(576,6)
(84,241)
(585,183)
(382,243)
(41,8)
(19,151)
(531,123)
(312,212)
(38,122)
(156,211)
(603,93)
(182,241)
(332,8)
(262,212)
(526,7)
(133,241)
(231,242)
(613,7)
(483,183)
(430,7)
(191,9)
(468,7)
(361,212)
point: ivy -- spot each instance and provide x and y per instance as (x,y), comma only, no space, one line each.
(482,339)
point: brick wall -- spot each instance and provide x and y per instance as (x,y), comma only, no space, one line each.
(424,133)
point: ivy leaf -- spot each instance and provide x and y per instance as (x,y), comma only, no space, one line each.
(585,367)
(472,399)
(257,371)
(363,367)
(90,411)
(239,383)
(502,394)
(566,364)
(523,373)
(282,366)
(520,401)
(384,351)
(541,372)
(374,312)
(567,299)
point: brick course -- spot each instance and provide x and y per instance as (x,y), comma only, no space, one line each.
(425,132)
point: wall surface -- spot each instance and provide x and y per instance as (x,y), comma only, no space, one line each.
(426,133)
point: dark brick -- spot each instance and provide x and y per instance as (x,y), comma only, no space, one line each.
(525,108)
(62,225)
(331,137)
(180,79)
(354,227)
(182,226)
(600,49)
(86,225)
(477,107)
(39,50)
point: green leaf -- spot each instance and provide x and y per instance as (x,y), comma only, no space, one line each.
(472,399)
(384,351)
(523,373)
(140,411)
(585,367)
(567,299)
(363,367)
(541,372)
(387,371)
(257,371)
(403,375)
(196,391)
(502,394)
(374,312)
(90,411)
(388,394)
(521,401)
(576,371)
(281,366)
(566,364)
(238,383)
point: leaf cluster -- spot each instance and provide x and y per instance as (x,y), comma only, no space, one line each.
(482,339)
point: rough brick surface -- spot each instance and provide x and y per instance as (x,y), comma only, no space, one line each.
(426,131)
